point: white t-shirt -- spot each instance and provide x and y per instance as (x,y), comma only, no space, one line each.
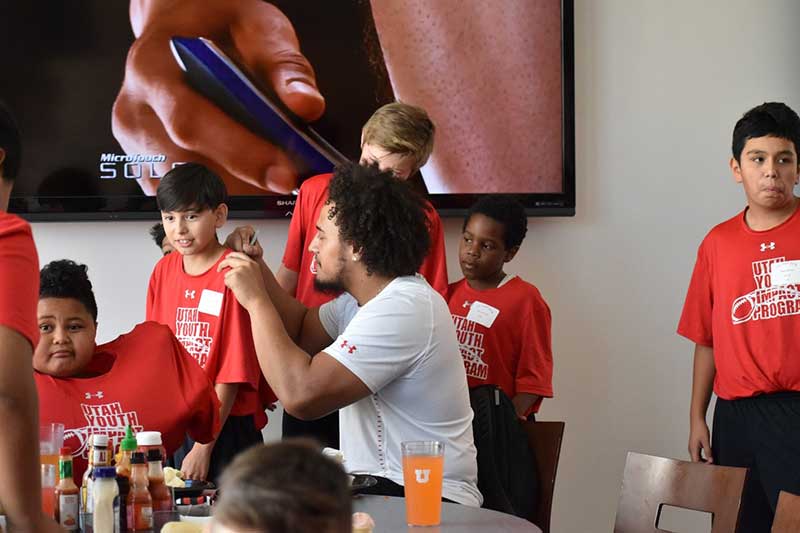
(402,344)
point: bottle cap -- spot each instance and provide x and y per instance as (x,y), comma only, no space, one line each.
(149,438)
(137,458)
(154,454)
(100,440)
(66,450)
(105,472)
(128,444)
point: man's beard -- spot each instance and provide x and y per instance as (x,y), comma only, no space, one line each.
(332,286)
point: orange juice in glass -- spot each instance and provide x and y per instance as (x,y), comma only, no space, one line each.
(423,464)
(49,490)
(51,439)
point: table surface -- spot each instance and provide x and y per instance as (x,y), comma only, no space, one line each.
(389,514)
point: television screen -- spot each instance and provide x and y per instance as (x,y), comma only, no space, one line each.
(109,96)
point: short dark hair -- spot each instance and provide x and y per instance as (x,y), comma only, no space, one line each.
(10,143)
(285,487)
(68,279)
(190,185)
(506,210)
(158,234)
(382,217)
(770,119)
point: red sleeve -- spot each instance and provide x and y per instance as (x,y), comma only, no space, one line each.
(19,278)
(149,313)
(434,267)
(695,322)
(198,394)
(237,361)
(293,253)
(535,365)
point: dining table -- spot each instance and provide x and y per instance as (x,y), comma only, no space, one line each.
(389,514)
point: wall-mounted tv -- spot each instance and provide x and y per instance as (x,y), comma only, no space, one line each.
(110,95)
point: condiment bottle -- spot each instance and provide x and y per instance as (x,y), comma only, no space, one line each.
(139,502)
(98,457)
(148,440)
(105,497)
(159,492)
(126,448)
(67,493)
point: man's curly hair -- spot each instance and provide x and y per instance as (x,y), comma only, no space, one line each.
(383,218)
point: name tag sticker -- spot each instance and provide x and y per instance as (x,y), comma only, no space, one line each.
(210,302)
(482,313)
(785,273)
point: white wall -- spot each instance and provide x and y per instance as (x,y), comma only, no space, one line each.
(659,87)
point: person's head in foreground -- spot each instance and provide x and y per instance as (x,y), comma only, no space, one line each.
(492,233)
(372,224)
(10,152)
(284,487)
(67,315)
(765,146)
(398,137)
(192,199)
(159,237)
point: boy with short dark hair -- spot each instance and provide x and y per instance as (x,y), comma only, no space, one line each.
(188,294)
(159,237)
(742,311)
(503,323)
(284,486)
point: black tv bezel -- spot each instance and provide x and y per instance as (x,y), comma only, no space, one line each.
(81,208)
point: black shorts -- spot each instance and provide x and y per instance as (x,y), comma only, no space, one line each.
(238,434)
(325,430)
(761,433)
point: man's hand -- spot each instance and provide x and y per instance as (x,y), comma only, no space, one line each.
(195,464)
(700,442)
(244,279)
(157,112)
(239,241)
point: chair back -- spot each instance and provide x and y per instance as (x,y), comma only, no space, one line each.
(787,513)
(544,439)
(650,482)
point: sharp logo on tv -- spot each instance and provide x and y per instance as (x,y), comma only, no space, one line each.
(130,166)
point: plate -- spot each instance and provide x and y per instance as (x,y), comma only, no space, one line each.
(196,489)
(359,482)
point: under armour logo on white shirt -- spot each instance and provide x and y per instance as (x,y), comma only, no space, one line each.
(189,294)
(98,395)
(423,475)
(765,246)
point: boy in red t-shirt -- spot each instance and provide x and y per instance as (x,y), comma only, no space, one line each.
(742,311)
(398,137)
(502,322)
(188,294)
(143,378)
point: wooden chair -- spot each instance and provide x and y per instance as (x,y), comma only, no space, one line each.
(545,438)
(650,482)
(787,514)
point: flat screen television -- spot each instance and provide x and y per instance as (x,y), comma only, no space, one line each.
(110,95)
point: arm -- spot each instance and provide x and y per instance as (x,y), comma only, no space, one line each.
(195,464)
(309,387)
(702,386)
(20,492)
(287,279)
(522,402)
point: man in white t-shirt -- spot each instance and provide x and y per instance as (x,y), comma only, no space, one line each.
(386,350)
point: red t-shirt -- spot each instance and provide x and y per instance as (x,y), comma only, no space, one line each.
(303,229)
(150,382)
(732,306)
(504,336)
(19,278)
(212,326)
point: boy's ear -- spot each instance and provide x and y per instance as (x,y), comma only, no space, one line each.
(736,169)
(221,215)
(510,253)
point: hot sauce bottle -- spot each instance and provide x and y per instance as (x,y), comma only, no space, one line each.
(139,502)
(67,493)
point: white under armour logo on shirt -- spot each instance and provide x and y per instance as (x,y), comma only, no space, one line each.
(466,304)
(189,294)
(765,246)
(98,395)
(422,475)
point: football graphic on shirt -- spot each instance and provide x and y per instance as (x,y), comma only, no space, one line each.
(742,309)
